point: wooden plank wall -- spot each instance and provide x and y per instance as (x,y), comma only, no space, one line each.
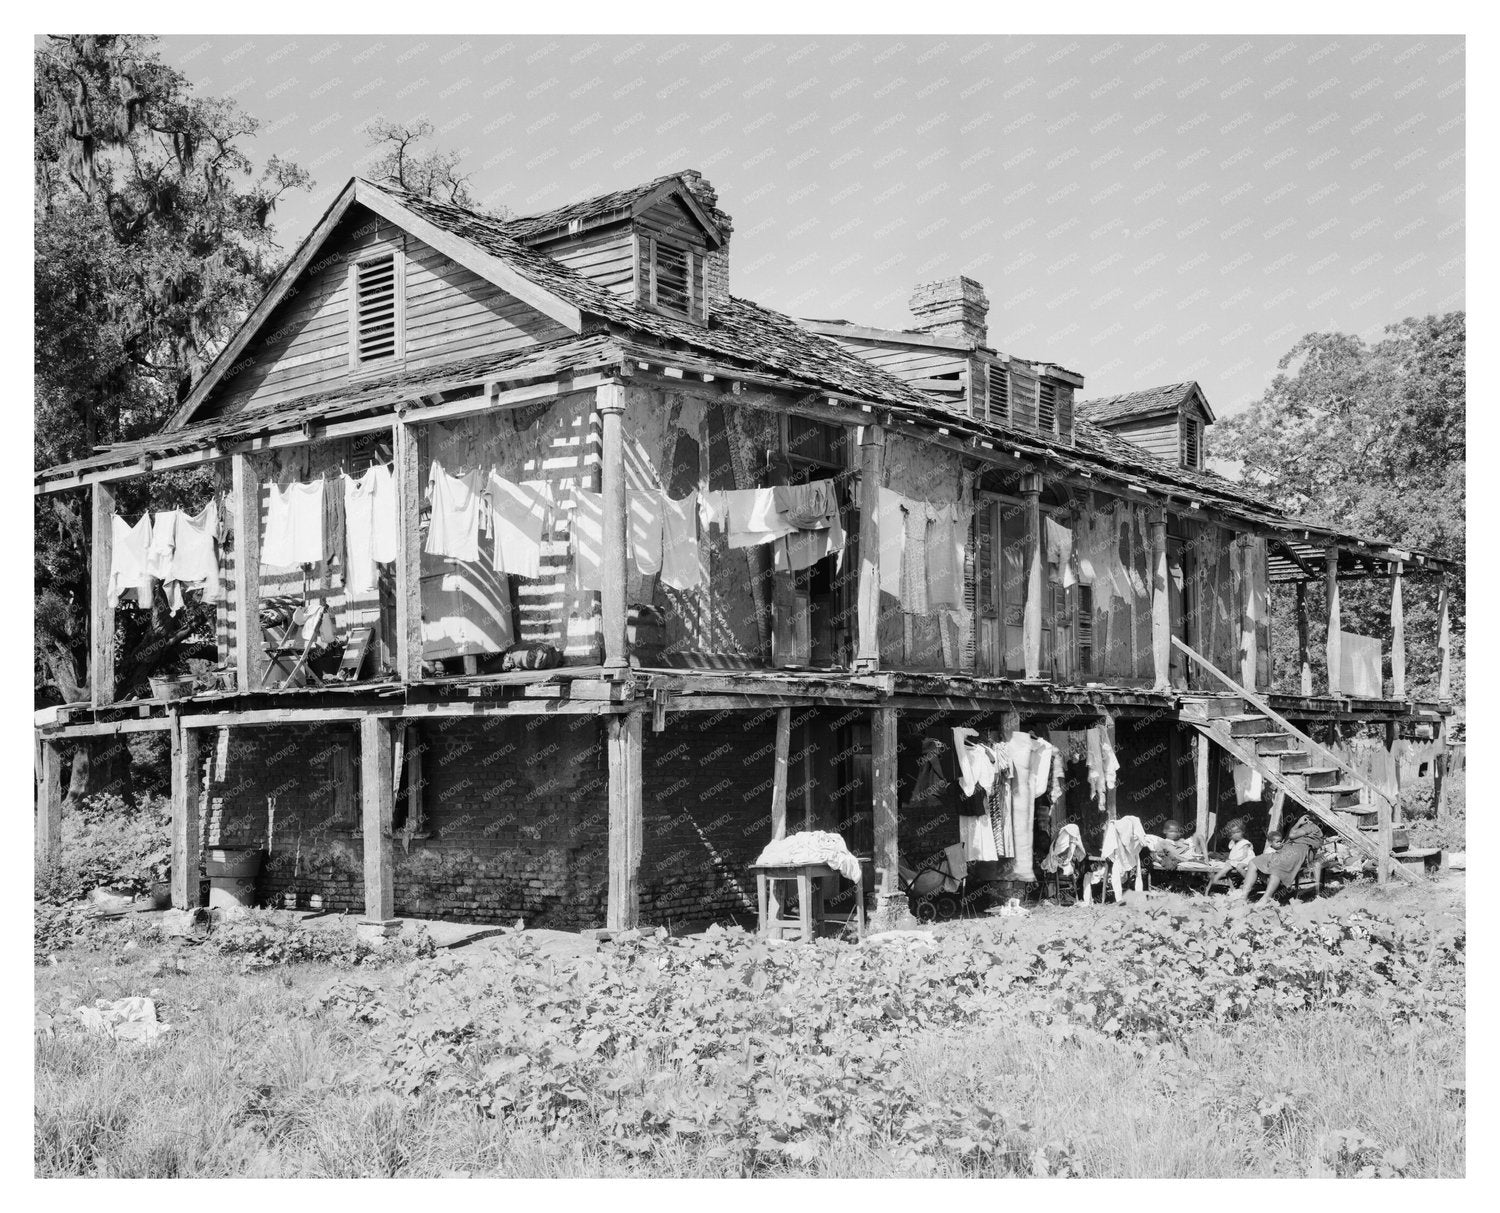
(1159,435)
(907,361)
(450,313)
(605,255)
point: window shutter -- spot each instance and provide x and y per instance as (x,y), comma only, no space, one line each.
(1085,629)
(999,395)
(671,278)
(1191,442)
(1046,407)
(1023,400)
(377,324)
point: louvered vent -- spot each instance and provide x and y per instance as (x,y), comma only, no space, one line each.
(671,280)
(376,337)
(999,395)
(1046,408)
(1085,629)
(1192,442)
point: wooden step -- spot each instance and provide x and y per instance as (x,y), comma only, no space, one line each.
(1216,707)
(1293,761)
(1342,795)
(1321,777)
(1247,725)
(1270,743)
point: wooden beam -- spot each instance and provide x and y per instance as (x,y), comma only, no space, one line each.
(49,802)
(377,795)
(1335,622)
(1031,626)
(884,805)
(778,785)
(187,791)
(249,646)
(626,825)
(1440,771)
(871,480)
(1304,657)
(1161,615)
(407,482)
(1445,686)
(1398,635)
(610,399)
(1286,550)
(101,608)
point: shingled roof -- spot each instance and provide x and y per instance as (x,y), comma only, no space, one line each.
(1149,402)
(603,208)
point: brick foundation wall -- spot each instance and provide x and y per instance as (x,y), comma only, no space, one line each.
(706,802)
(516,819)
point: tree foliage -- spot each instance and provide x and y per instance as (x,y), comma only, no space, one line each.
(1370,435)
(152,240)
(430,174)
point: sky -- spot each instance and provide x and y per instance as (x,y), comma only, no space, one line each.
(1141,210)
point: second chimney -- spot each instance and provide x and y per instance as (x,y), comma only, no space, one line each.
(954,308)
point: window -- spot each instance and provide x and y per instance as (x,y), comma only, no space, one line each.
(998,395)
(1192,442)
(1046,407)
(1085,629)
(377,322)
(673,278)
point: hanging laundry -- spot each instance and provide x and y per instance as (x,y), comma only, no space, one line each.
(129,548)
(1060,550)
(807,507)
(195,558)
(682,556)
(977,837)
(690,416)
(803,549)
(1042,755)
(914,559)
(753,517)
(370,527)
(933,780)
(1247,784)
(1095,737)
(294,526)
(713,509)
(976,763)
(891,511)
(586,539)
(945,560)
(1067,850)
(644,513)
(466,609)
(457,511)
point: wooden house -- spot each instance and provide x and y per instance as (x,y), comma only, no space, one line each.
(1101,578)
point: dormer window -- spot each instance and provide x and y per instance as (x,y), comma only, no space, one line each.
(1192,442)
(672,277)
(377,311)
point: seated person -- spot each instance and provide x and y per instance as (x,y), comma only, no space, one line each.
(1281,865)
(1241,857)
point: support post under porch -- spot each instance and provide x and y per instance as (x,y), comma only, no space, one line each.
(377,794)
(1202,757)
(49,800)
(890,903)
(249,656)
(187,790)
(610,398)
(1335,622)
(626,824)
(1304,657)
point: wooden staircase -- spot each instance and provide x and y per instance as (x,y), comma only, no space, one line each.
(1305,771)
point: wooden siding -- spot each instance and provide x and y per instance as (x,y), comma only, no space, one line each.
(604,255)
(908,362)
(450,313)
(1159,435)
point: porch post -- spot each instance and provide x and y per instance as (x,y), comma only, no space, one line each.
(1304,657)
(1335,624)
(1248,655)
(49,798)
(249,658)
(871,480)
(187,789)
(407,478)
(1444,664)
(101,609)
(1398,636)
(610,400)
(1031,630)
(625,822)
(1440,770)
(377,794)
(1161,616)
(886,815)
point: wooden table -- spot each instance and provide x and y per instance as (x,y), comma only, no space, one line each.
(774,925)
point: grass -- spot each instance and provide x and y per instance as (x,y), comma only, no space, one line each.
(245,1084)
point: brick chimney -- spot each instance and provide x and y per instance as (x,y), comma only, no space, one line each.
(954,309)
(716,263)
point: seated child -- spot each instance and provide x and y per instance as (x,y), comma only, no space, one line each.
(1172,848)
(1241,856)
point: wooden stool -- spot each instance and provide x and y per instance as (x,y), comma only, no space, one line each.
(807,876)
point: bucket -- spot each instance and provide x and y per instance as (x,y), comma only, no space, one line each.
(231,875)
(170,688)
